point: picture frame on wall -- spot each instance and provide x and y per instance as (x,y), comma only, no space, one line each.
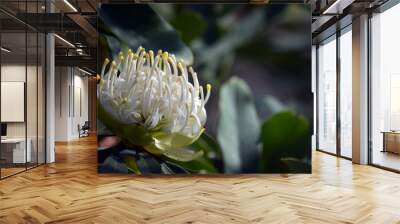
(204,88)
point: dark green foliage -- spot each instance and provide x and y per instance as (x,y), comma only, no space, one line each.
(144,28)
(285,137)
(189,25)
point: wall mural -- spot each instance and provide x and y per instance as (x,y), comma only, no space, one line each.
(204,89)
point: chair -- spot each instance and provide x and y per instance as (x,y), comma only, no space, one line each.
(84,130)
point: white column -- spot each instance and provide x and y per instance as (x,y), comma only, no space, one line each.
(360,90)
(314,92)
(50,98)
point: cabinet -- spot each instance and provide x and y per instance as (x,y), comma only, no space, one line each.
(391,142)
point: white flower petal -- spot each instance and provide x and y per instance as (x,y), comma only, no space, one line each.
(153,91)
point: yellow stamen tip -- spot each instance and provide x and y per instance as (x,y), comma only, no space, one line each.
(208,87)
(159,52)
(165,55)
(106,61)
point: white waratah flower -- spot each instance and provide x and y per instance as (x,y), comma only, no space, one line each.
(154,92)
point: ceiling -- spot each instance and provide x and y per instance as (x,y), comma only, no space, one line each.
(76,22)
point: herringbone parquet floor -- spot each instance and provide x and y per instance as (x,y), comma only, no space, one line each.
(71,191)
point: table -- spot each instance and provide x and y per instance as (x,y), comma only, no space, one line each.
(16,147)
(391,141)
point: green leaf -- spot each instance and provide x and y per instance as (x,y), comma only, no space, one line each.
(206,148)
(130,162)
(189,24)
(144,28)
(285,134)
(133,134)
(295,165)
(236,34)
(238,128)
(102,130)
(209,145)
(167,141)
(199,165)
(182,155)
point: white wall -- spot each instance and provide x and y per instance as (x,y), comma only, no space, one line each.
(71,102)
(62,81)
(80,110)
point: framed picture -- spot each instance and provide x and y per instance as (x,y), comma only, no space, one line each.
(204,88)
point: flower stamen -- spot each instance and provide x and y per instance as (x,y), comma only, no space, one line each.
(154,91)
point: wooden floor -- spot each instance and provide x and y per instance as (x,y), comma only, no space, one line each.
(387,159)
(71,191)
(10,171)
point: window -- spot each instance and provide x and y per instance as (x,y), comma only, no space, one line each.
(22,101)
(346,93)
(327,95)
(385,89)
